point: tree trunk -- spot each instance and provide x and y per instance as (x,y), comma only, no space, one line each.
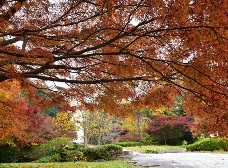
(139,131)
(85,132)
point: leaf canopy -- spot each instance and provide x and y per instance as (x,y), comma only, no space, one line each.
(145,52)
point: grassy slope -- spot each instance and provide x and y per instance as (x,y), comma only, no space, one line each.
(110,164)
(153,147)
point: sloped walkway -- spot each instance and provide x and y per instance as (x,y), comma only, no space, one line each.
(181,160)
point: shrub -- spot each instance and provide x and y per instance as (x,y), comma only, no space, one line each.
(106,152)
(57,146)
(78,146)
(75,155)
(37,152)
(151,151)
(110,151)
(91,154)
(148,140)
(62,152)
(45,159)
(184,143)
(8,153)
(127,144)
(62,155)
(58,143)
(208,144)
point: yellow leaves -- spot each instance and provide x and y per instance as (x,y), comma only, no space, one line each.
(64,122)
(159,111)
(130,124)
(2,95)
(8,141)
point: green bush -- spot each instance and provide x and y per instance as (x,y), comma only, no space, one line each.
(37,152)
(148,140)
(208,144)
(45,159)
(78,146)
(64,154)
(55,147)
(109,152)
(52,158)
(91,154)
(151,151)
(8,153)
(61,150)
(106,152)
(127,144)
(74,155)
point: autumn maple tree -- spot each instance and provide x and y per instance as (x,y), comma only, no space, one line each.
(172,128)
(22,121)
(106,51)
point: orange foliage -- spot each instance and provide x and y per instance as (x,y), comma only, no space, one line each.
(107,52)
(21,119)
(13,120)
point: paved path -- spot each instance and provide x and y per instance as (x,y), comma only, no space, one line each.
(181,160)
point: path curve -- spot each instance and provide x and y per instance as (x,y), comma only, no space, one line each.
(181,160)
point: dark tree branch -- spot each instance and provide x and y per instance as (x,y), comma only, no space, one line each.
(8,42)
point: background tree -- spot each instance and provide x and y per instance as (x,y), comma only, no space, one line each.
(13,120)
(170,130)
(100,48)
(99,127)
(21,119)
(66,125)
(129,128)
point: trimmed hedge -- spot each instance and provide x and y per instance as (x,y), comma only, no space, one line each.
(127,144)
(106,152)
(90,154)
(208,144)
(110,151)
(63,150)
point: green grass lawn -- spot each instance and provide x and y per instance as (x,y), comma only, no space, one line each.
(166,147)
(109,164)
(153,147)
